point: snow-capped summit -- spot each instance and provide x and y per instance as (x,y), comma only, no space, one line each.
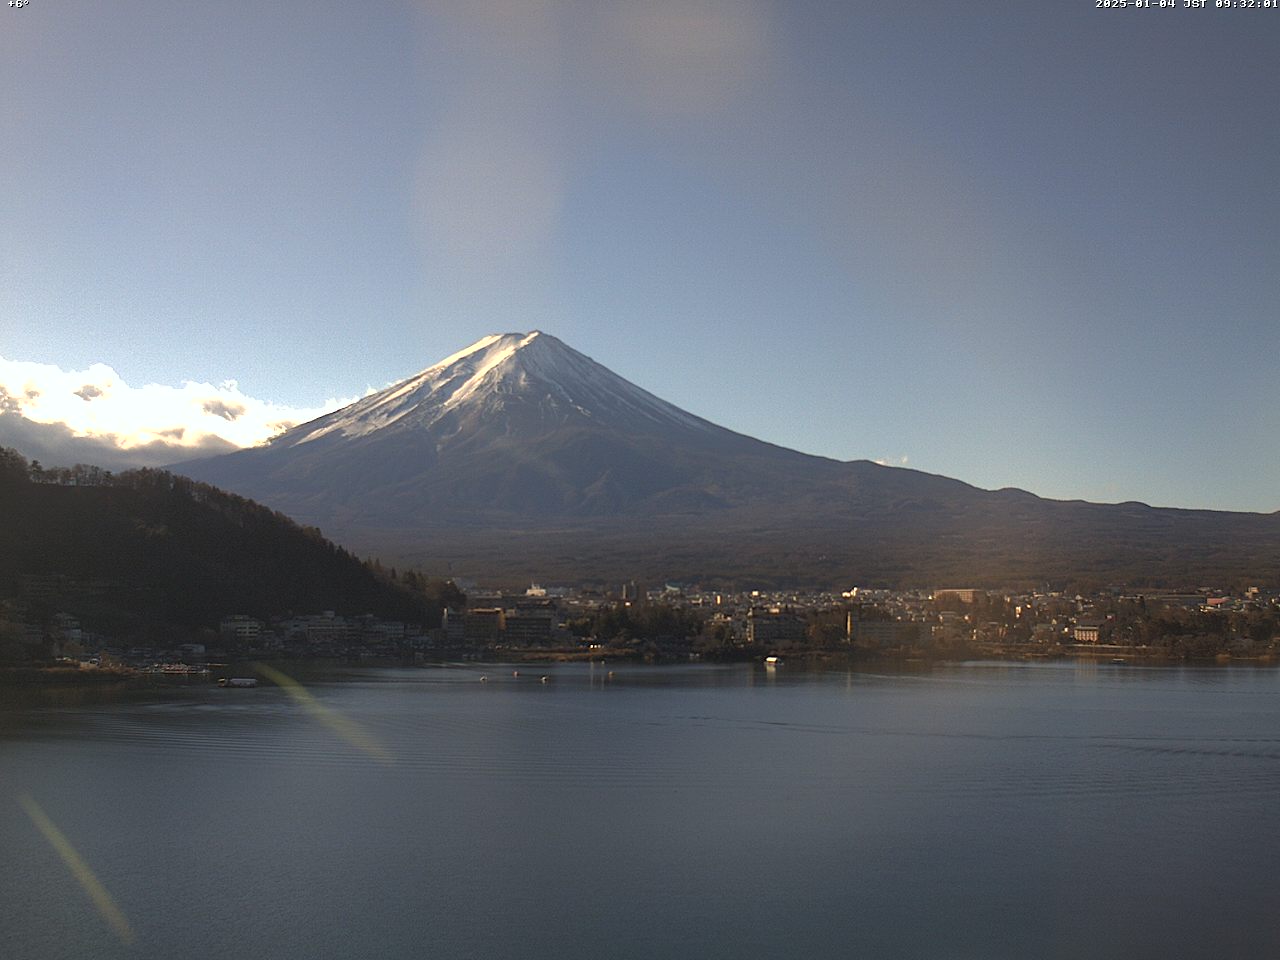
(530,381)
(518,425)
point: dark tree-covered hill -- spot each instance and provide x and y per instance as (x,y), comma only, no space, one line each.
(147,551)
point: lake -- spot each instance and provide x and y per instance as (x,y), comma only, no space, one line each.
(971,810)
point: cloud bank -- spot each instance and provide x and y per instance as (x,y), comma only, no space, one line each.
(63,417)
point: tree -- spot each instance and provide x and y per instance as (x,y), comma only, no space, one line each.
(14,469)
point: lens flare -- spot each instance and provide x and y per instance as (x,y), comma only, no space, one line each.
(344,727)
(103,900)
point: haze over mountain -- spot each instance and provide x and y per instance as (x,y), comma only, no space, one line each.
(55,444)
(520,456)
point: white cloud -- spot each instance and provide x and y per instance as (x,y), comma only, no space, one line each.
(893,461)
(97,403)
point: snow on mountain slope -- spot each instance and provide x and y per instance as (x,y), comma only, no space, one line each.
(519,425)
(533,375)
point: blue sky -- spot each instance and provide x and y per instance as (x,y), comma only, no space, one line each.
(1031,245)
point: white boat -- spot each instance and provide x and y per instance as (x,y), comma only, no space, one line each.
(772,661)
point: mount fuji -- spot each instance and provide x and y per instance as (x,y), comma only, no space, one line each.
(516,428)
(519,456)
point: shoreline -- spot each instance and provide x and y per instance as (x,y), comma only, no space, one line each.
(1110,655)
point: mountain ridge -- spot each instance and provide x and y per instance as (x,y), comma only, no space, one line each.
(521,438)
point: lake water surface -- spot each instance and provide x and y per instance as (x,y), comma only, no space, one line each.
(984,811)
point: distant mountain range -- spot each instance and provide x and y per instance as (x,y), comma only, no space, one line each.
(521,457)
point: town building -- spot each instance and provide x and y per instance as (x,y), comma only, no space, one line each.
(774,626)
(239,628)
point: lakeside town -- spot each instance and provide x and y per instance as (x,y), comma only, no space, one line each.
(164,576)
(674,623)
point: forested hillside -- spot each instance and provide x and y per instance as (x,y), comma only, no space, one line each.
(146,552)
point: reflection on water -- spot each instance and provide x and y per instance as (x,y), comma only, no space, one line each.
(973,810)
